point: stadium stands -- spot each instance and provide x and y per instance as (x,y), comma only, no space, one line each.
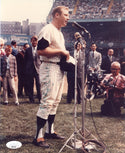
(104,19)
(94,9)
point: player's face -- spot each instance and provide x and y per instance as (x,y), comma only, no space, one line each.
(63,18)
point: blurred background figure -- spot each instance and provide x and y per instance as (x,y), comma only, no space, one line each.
(9,73)
(94,65)
(14,53)
(95,58)
(14,49)
(122,62)
(107,60)
(2,52)
(71,85)
(21,71)
(32,63)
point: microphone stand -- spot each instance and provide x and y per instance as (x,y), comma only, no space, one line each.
(73,138)
(86,143)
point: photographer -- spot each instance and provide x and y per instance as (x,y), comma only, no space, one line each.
(114,84)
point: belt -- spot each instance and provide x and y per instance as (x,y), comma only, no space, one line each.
(49,62)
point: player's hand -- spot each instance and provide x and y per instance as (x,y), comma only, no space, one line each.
(66,53)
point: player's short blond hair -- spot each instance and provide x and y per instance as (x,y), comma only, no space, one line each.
(58,9)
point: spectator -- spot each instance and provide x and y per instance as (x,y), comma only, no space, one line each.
(2,52)
(21,71)
(107,60)
(122,62)
(14,53)
(32,63)
(95,58)
(9,73)
(114,83)
(14,50)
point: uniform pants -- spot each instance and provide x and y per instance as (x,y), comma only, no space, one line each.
(51,82)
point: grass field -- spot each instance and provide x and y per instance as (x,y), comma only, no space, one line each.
(19,123)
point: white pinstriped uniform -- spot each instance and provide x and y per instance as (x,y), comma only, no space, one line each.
(51,77)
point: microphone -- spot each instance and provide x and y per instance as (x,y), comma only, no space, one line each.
(81,27)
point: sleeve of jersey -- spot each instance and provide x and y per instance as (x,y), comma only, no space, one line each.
(42,44)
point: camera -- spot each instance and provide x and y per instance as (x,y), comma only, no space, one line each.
(107,83)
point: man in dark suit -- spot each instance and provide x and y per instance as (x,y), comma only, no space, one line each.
(32,63)
(122,62)
(107,60)
(21,71)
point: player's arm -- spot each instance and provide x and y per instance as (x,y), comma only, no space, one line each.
(45,50)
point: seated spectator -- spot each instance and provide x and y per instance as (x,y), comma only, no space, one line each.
(114,83)
(9,73)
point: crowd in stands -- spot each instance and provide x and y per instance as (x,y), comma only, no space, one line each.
(94,9)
